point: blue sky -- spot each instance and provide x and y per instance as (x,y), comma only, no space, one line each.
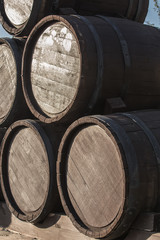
(152,18)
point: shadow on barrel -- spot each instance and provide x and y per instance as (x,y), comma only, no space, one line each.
(51,220)
(5,215)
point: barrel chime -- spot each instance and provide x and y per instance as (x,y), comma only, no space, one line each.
(79,118)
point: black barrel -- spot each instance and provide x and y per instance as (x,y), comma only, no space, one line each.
(19,17)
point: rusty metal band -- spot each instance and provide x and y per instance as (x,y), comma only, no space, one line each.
(152,139)
(130,9)
(125,52)
(126,143)
(99,58)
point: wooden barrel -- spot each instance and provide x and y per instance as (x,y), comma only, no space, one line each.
(13,105)
(28,170)
(135,10)
(76,62)
(108,171)
(19,17)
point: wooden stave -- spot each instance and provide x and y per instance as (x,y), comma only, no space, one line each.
(51,201)
(135,205)
(45,8)
(19,108)
(66,115)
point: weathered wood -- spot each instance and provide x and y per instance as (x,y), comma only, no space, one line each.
(28,174)
(8,79)
(13,105)
(75,62)
(19,11)
(28,170)
(55,72)
(94,174)
(19,18)
(108,171)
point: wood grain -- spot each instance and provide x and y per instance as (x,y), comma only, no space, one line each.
(18,11)
(60,82)
(28,170)
(55,69)
(108,171)
(13,105)
(8,80)
(95,177)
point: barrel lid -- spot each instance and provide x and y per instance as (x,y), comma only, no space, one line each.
(19,17)
(52,68)
(8,70)
(27,163)
(92,177)
(55,69)
(18,12)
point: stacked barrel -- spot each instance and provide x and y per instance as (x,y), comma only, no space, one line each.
(67,61)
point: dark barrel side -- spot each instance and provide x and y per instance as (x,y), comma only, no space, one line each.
(134,10)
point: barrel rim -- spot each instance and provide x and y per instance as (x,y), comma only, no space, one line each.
(26,63)
(71,213)
(17,56)
(45,208)
(25,28)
